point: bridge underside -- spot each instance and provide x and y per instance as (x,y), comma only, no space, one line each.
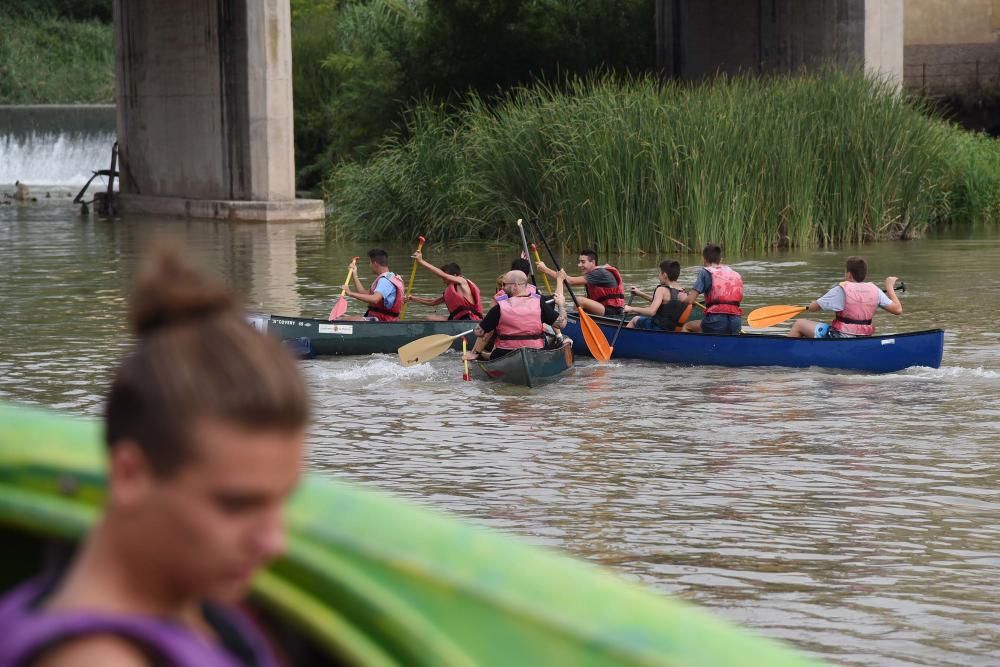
(204,96)
(699,38)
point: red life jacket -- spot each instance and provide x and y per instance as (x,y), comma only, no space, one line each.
(609,296)
(726,293)
(860,304)
(460,308)
(520,323)
(378,311)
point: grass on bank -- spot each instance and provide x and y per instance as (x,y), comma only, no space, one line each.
(45,59)
(753,163)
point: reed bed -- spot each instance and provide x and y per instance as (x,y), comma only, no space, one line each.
(641,165)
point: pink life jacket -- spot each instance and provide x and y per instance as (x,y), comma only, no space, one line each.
(860,303)
(520,323)
(378,311)
(460,308)
(726,293)
(609,296)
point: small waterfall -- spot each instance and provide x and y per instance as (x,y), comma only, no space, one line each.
(54,146)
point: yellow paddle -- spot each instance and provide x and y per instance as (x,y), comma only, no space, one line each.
(340,307)
(465,350)
(413,274)
(545,276)
(426,348)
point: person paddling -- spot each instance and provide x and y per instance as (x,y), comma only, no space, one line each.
(461,295)
(723,290)
(854,301)
(605,291)
(386,293)
(667,302)
(518,318)
(205,426)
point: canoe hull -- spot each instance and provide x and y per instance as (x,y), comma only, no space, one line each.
(372,580)
(529,367)
(874,354)
(314,337)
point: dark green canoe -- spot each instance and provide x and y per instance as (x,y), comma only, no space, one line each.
(528,367)
(311,337)
(372,580)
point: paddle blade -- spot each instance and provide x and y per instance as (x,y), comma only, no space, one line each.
(771,315)
(424,349)
(338,309)
(595,339)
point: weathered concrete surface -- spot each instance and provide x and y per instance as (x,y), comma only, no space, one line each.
(699,38)
(952,22)
(952,46)
(204,99)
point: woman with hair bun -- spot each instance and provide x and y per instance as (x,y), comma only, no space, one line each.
(205,427)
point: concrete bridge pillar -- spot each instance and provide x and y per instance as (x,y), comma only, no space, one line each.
(699,38)
(204,96)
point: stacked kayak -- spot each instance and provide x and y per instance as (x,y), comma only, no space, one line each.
(371,580)
(529,367)
(313,337)
(875,354)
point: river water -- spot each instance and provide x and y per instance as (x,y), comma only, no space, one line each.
(856,516)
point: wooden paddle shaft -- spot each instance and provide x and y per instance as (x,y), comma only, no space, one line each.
(555,262)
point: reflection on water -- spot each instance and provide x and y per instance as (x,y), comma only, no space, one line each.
(853,515)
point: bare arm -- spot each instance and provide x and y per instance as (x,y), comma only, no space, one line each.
(890,291)
(373,299)
(651,309)
(559,300)
(104,650)
(572,280)
(425,302)
(457,280)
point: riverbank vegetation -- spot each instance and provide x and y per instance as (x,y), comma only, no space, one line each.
(636,164)
(56,52)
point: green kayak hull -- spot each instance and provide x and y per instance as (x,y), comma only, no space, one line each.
(311,337)
(528,367)
(372,580)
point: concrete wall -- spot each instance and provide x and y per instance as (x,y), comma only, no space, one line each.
(204,98)
(698,38)
(952,21)
(952,45)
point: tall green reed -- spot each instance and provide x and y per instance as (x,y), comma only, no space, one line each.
(642,165)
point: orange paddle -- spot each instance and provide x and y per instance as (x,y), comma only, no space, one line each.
(771,315)
(340,307)
(593,337)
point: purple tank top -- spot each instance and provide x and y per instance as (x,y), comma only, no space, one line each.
(27,631)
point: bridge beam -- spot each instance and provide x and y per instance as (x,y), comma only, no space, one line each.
(204,97)
(698,38)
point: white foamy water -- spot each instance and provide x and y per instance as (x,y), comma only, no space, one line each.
(41,159)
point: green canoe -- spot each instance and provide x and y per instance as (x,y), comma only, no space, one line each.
(310,337)
(528,367)
(372,580)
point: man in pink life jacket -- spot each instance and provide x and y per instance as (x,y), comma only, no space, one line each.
(204,425)
(723,290)
(854,301)
(605,291)
(386,293)
(461,295)
(518,318)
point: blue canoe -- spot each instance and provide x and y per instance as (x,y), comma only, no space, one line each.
(874,354)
